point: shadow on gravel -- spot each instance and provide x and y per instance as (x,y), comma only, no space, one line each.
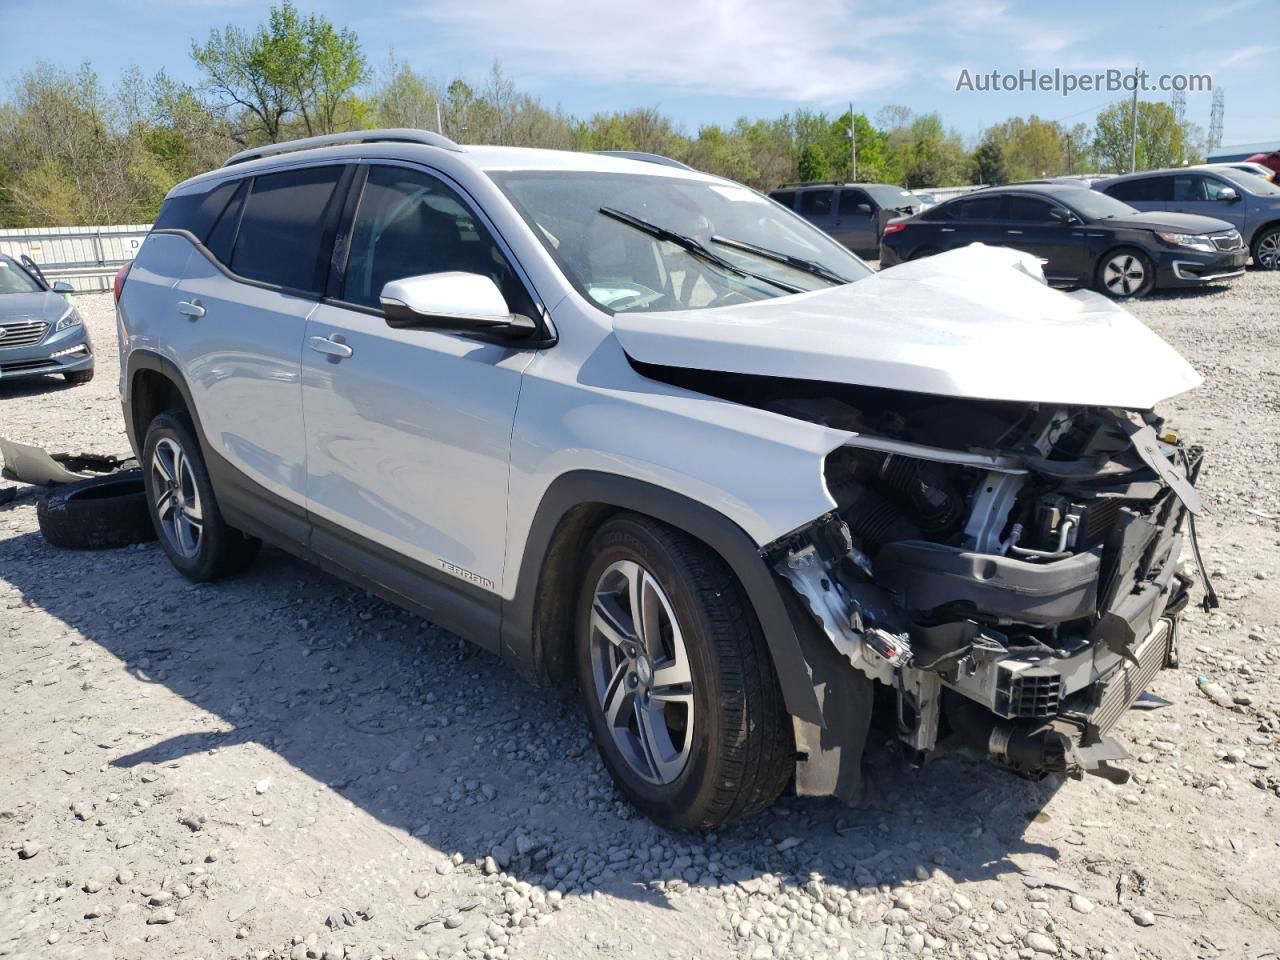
(33,386)
(436,738)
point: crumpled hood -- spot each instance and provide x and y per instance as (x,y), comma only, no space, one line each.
(36,306)
(979,322)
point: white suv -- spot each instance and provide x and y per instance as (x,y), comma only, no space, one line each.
(626,421)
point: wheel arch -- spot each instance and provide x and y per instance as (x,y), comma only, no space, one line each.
(154,385)
(1260,231)
(537,623)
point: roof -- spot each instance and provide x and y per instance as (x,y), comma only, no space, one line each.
(1241,150)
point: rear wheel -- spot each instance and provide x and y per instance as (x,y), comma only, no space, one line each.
(1126,273)
(676,678)
(183,508)
(1266,249)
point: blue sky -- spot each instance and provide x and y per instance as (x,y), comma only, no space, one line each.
(710,61)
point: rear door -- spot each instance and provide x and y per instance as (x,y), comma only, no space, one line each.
(1144,193)
(857,223)
(408,435)
(1202,193)
(245,309)
(972,220)
(818,206)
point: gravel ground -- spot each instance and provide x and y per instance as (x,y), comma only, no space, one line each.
(283,766)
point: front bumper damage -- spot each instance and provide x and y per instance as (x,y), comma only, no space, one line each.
(1014,602)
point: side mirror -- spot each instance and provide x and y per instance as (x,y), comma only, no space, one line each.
(864,208)
(1228,194)
(1063,216)
(61,286)
(463,302)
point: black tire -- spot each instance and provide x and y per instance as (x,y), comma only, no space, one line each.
(741,754)
(922,253)
(79,376)
(96,514)
(219,550)
(1266,248)
(1130,261)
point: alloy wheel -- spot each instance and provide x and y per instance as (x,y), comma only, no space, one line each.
(1124,274)
(1268,253)
(176,497)
(640,668)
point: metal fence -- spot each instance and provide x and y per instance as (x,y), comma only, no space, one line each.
(86,257)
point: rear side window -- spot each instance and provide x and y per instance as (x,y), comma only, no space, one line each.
(223,235)
(849,201)
(1027,210)
(282,238)
(816,202)
(978,208)
(785,197)
(1142,190)
(195,212)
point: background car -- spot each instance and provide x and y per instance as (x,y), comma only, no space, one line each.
(1243,166)
(1082,237)
(854,214)
(40,331)
(1248,203)
(1270,160)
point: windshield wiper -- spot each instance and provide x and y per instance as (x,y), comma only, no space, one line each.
(808,266)
(694,247)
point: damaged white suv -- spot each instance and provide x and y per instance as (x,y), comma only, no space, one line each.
(624,421)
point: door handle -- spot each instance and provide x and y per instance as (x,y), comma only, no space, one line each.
(946,229)
(331,348)
(1017,232)
(191,309)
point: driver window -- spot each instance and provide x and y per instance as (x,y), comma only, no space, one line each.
(409,223)
(1189,187)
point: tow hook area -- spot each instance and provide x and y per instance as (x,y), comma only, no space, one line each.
(1046,751)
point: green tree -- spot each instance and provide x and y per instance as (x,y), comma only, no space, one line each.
(812,164)
(989,164)
(1159,141)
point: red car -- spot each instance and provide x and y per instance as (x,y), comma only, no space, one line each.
(1271,160)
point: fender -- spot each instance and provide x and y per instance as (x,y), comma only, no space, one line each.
(524,643)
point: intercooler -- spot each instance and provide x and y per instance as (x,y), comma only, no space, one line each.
(1112,696)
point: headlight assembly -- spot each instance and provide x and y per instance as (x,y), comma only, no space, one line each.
(1192,241)
(69,319)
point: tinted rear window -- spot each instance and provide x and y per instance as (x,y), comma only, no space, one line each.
(1142,190)
(978,208)
(785,197)
(816,202)
(282,230)
(194,212)
(1027,210)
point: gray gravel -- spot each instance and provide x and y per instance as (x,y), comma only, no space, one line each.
(283,766)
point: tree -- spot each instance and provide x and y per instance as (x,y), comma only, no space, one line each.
(290,67)
(812,164)
(1159,141)
(988,163)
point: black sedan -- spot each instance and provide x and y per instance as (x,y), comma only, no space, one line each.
(1083,238)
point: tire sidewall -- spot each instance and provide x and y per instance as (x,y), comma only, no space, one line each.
(177,428)
(1257,245)
(1148,284)
(666,803)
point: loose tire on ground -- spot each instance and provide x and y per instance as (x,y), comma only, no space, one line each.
(182,507)
(96,514)
(740,750)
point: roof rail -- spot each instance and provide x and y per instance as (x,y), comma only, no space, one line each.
(815,183)
(645,157)
(393,135)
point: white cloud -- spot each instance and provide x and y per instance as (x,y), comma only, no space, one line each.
(823,52)
(1244,56)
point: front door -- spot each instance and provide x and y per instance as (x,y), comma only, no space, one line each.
(408,435)
(1030,226)
(857,221)
(1202,194)
(819,208)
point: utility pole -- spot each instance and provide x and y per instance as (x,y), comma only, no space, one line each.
(853,146)
(439,125)
(1133,126)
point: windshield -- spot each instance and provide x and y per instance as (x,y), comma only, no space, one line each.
(1252,184)
(13,279)
(1092,205)
(894,197)
(643,243)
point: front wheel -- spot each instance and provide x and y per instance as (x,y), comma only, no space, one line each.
(183,509)
(676,678)
(79,376)
(1266,249)
(1126,273)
